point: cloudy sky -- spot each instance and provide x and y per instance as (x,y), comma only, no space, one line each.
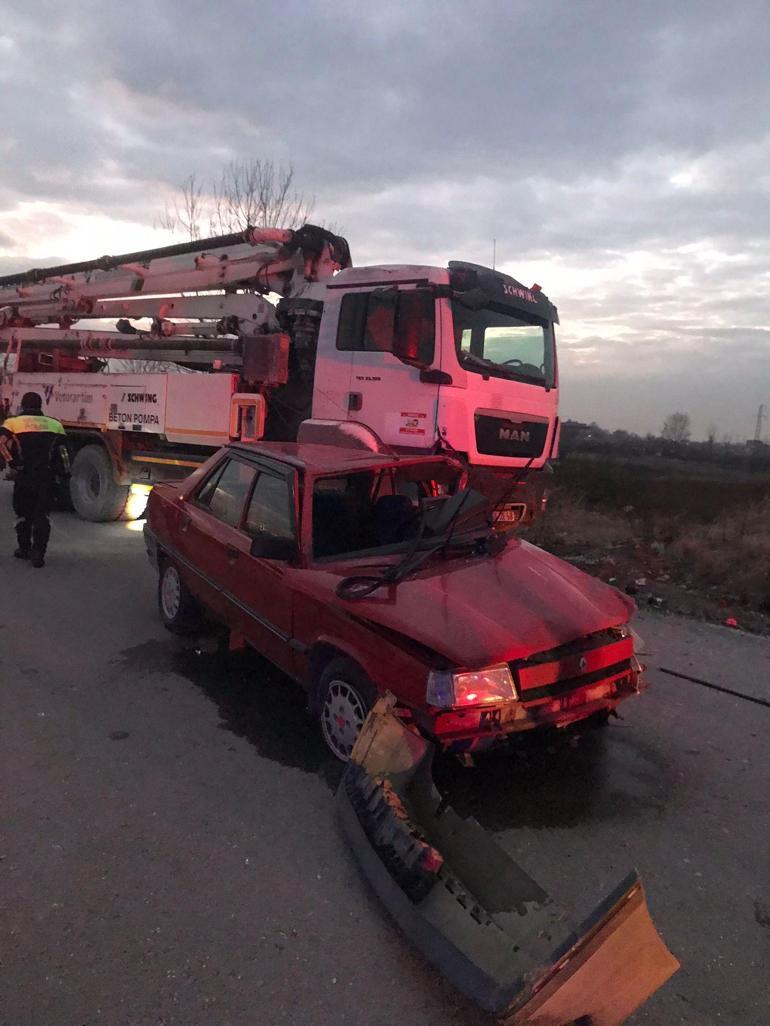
(618,151)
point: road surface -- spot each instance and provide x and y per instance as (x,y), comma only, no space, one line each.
(169,855)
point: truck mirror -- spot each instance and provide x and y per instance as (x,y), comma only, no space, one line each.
(269,546)
(414,337)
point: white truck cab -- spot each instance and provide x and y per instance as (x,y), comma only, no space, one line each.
(459,357)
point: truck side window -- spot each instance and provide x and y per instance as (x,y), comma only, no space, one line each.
(224,494)
(389,321)
(270,508)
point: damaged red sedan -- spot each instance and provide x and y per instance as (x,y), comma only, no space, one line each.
(359,573)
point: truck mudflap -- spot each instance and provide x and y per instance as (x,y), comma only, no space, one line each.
(473,912)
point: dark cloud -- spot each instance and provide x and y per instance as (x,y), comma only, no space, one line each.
(618,152)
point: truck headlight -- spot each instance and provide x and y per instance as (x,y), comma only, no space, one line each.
(449,690)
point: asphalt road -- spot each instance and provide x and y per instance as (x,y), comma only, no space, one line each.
(169,853)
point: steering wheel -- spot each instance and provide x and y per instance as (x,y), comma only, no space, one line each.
(514,361)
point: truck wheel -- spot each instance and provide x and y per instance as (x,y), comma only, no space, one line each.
(345,696)
(95,495)
(179,611)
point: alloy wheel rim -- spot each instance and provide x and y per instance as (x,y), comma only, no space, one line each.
(171,592)
(342,717)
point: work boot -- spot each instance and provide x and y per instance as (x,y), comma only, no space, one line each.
(37,559)
(22,553)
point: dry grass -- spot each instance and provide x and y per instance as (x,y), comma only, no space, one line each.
(570,525)
(733,553)
(727,559)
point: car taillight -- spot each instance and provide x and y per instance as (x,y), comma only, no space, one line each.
(467,689)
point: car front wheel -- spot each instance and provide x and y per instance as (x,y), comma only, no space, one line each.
(178,609)
(345,697)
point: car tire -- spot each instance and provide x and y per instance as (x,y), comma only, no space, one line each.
(95,494)
(179,610)
(345,696)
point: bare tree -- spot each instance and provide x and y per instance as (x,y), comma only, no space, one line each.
(185,214)
(676,427)
(248,193)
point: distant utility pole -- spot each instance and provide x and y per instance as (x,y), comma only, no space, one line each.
(760,418)
(494,252)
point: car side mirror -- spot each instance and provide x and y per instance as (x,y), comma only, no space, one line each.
(269,546)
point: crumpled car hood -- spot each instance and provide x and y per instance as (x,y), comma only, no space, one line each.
(477,610)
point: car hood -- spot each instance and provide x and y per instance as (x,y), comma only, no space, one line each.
(477,610)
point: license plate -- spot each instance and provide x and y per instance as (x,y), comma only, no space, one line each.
(584,697)
(510,515)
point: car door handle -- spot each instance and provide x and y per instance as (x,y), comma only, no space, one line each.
(184,521)
(232,553)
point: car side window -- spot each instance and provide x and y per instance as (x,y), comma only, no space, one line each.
(271,509)
(224,493)
(207,488)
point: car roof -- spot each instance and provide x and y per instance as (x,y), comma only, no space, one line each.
(320,459)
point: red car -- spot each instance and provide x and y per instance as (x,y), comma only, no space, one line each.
(357,573)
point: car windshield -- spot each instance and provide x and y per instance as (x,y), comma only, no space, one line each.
(502,342)
(387,511)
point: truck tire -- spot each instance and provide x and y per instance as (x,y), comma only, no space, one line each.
(179,611)
(95,494)
(345,696)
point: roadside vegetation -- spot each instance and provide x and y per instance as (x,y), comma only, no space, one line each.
(675,530)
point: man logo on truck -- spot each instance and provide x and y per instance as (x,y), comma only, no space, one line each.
(512,435)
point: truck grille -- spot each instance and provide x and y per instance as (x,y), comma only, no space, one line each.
(502,436)
(600,657)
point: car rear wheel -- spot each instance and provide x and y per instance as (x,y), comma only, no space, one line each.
(179,611)
(345,697)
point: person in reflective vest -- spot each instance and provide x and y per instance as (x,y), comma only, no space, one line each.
(34,448)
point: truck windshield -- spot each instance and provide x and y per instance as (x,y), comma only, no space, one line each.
(505,343)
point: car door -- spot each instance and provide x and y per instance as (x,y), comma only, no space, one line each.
(210,533)
(259,576)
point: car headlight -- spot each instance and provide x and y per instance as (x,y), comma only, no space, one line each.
(627,631)
(449,690)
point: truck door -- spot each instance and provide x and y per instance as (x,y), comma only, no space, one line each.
(391,336)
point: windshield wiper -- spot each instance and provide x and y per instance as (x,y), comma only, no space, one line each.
(360,586)
(480,361)
(500,368)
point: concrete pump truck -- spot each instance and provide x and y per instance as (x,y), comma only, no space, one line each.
(274,334)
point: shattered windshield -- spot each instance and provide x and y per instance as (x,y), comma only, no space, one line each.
(501,342)
(386,511)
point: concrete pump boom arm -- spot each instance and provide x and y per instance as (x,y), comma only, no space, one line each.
(265,260)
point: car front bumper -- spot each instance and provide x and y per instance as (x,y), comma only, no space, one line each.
(474,730)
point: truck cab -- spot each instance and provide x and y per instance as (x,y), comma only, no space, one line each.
(460,358)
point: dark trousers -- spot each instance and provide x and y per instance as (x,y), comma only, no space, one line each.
(32,499)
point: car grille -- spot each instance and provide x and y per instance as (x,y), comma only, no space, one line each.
(600,657)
